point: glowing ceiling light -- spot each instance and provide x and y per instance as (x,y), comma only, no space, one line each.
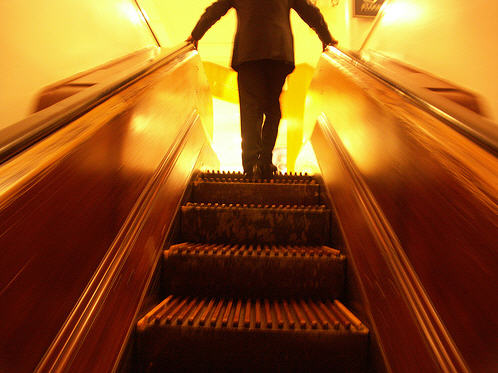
(400,12)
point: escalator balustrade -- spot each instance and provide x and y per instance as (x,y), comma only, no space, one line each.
(255,285)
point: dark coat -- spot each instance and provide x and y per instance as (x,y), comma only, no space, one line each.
(263,27)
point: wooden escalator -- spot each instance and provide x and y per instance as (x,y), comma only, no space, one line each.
(254,285)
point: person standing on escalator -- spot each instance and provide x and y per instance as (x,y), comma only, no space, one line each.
(263,56)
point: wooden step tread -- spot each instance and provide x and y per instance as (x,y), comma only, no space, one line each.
(251,223)
(254,314)
(238,206)
(192,248)
(187,334)
(253,270)
(239,176)
(279,192)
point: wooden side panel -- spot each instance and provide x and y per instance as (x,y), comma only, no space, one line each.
(84,213)
(417,203)
(114,321)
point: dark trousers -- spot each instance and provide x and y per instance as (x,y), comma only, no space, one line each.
(260,84)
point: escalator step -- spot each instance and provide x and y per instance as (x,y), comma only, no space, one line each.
(241,223)
(241,191)
(274,271)
(224,334)
(277,178)
(188,248)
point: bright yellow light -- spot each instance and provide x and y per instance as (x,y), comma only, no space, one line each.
(306,160)
(131,12)
(144,13)
(400,12)
(226,135)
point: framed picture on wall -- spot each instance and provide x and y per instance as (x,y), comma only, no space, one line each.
(366,8)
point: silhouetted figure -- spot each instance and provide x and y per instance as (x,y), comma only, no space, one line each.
(263,56)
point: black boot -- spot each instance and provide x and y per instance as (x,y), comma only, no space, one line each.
(251,172)
(265,170)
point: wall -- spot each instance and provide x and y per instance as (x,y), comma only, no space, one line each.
(72,37)
(174,21)
(45,41)
(455,40)
(349,30)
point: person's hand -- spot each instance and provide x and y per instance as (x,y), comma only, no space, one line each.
(190,39)
(333,43)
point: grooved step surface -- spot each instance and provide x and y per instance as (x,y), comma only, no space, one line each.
(254,270)
(265,314)
(191,248)
(277,178)
(234,223)
(244,192)
(252,285)
(251,335)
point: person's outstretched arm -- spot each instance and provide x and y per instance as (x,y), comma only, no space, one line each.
(212,14)
(313,17)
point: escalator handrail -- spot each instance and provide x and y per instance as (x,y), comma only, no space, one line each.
(478,129)
(21,135)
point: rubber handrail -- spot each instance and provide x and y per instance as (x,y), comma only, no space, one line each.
(478,129)
(23,134)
